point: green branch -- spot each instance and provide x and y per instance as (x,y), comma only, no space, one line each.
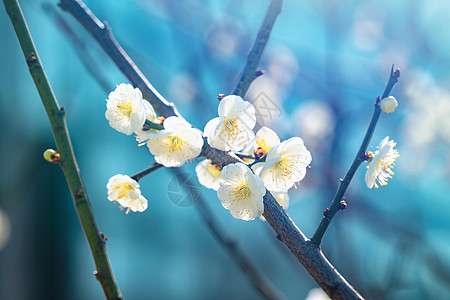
(67,161)
(249,72)
(359,159)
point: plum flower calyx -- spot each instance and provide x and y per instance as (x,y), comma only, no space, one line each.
(388,104)
(241,192)
(233,129)
(126,110)
(285,165)
(125,190)
(177,143)
(380,163)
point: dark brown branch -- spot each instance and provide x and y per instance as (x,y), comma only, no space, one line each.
(153,168)
(106,40)
(308,254)
(249,73)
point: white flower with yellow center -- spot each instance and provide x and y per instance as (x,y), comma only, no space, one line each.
(266,139)
(285,165)
(208,174)
(379,168)
(281,197)
(241,192)
(233,129)
(177,143)
(126,110)
(125,190)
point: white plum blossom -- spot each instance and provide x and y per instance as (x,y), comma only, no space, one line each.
(281,197)
(241,192)
(285,165)
(233,129)
(266,139)
(379,168)
(177,143)
(388,104)
(125,190)
(208,174)
(126,110)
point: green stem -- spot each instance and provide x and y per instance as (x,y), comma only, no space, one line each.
(68,164)
(249,72)
(359,159)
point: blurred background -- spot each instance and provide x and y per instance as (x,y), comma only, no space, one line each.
(325,64)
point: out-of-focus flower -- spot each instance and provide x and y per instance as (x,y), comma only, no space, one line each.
(317,294)
(266,139)
(126,110)
(5,229)
(388,104)
(379,166)
(285,165)
(208,174)
(125,190)
(176,143)
(241,192)
(233,129)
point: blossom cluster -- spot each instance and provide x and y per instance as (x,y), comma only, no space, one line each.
(271,164)
(276,166)
(268,164)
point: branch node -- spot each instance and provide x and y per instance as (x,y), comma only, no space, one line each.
(342,205)
(326,213)
(220,97)
(103,237)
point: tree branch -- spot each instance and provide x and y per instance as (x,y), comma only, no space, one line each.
(308,254)
(68,164)
(153,168)
(359,159)
(249,73)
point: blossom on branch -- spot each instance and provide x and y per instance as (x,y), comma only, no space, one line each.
(379,167)
(241,192)
(208,174)
(233,129)
(266,139)
(388,104)
(127,110)
(125,190)
(285,165)
(177,143)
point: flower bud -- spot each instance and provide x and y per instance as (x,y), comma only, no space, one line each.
(52,156)
(388,104)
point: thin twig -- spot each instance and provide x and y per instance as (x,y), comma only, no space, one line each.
(359,159)
(308,254)
(153,168)
(68,164)
(249,73)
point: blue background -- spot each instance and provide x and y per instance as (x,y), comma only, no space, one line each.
(325,64)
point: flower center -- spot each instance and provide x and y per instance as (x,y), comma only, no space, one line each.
(231,125)
(176,143)
(243,191)
(125,109)
(124,190)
